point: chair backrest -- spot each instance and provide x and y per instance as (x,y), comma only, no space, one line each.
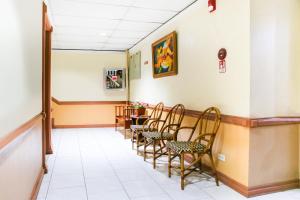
(119,111)
(124,111)
(208,127)
(174,117)
(157,111)
(128,112)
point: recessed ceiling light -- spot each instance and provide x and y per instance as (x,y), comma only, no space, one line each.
(103,34)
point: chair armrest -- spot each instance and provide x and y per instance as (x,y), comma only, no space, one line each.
(149,120)
(182,128)
(154,122)
(169,126)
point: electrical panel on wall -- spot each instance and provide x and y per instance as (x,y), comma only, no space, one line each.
(115,78)
(135,66)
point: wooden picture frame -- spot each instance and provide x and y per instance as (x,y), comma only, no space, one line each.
(164,56)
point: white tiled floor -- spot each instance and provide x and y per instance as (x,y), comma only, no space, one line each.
(98,164)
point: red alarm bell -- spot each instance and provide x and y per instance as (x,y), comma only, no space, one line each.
(212,5)
(222,62)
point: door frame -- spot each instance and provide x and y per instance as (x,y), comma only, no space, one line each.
(46,84)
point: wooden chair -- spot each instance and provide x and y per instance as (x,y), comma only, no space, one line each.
(209,123)
(167,127)
(137,130)
(123,117)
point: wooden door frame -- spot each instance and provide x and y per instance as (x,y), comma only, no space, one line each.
(46,84)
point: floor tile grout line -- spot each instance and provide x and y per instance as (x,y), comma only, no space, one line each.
(157,184)
(114,171)
(101,144)
(54,162)
(161,187)
(86,191)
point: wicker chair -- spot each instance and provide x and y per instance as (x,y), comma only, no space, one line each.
(165,133)
(137,130)
(123,117)
(208,127)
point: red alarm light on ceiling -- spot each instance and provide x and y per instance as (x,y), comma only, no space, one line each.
(212,5)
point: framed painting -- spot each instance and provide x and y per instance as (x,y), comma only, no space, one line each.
(164,56)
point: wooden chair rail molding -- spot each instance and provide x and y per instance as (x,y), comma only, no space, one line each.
(10,137)
(87,102)
(243,121)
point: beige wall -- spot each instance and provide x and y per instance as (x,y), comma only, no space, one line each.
(20,63)
(273,155)
(275,61)
(198,83)
(21,164)
(21,96)
(78,75)
(233,142)
(275,89)
(265,39)
(87,115)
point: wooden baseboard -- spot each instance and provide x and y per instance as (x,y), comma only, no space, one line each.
(83,126)
(273,187)
(252,191)
(239,187)
(37,185)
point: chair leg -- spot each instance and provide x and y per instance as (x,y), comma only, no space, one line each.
(132,139)
(182,170)
(169,163)
(214,169)
(154,149)
(137,141)
(160,146)
(145,148)
(200,165)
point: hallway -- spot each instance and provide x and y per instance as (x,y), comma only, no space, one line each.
(98,164)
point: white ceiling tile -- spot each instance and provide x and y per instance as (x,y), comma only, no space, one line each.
(108,24)
(116,40)
(76,38)
(85,32)
(117,46)
(60,45)
(83,22)
(129,34)
(110,2)
(137,26)
(146,15)
(86,9)
(173,5)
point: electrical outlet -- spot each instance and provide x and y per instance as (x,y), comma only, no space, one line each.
(221,157)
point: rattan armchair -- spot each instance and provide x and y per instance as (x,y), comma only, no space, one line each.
(209,123)
(165,132)
(137,130)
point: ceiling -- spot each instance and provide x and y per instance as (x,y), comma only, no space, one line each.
(108,24)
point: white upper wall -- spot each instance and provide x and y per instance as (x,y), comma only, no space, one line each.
(275,58)
(200,36)
(20,63)
(78,75)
